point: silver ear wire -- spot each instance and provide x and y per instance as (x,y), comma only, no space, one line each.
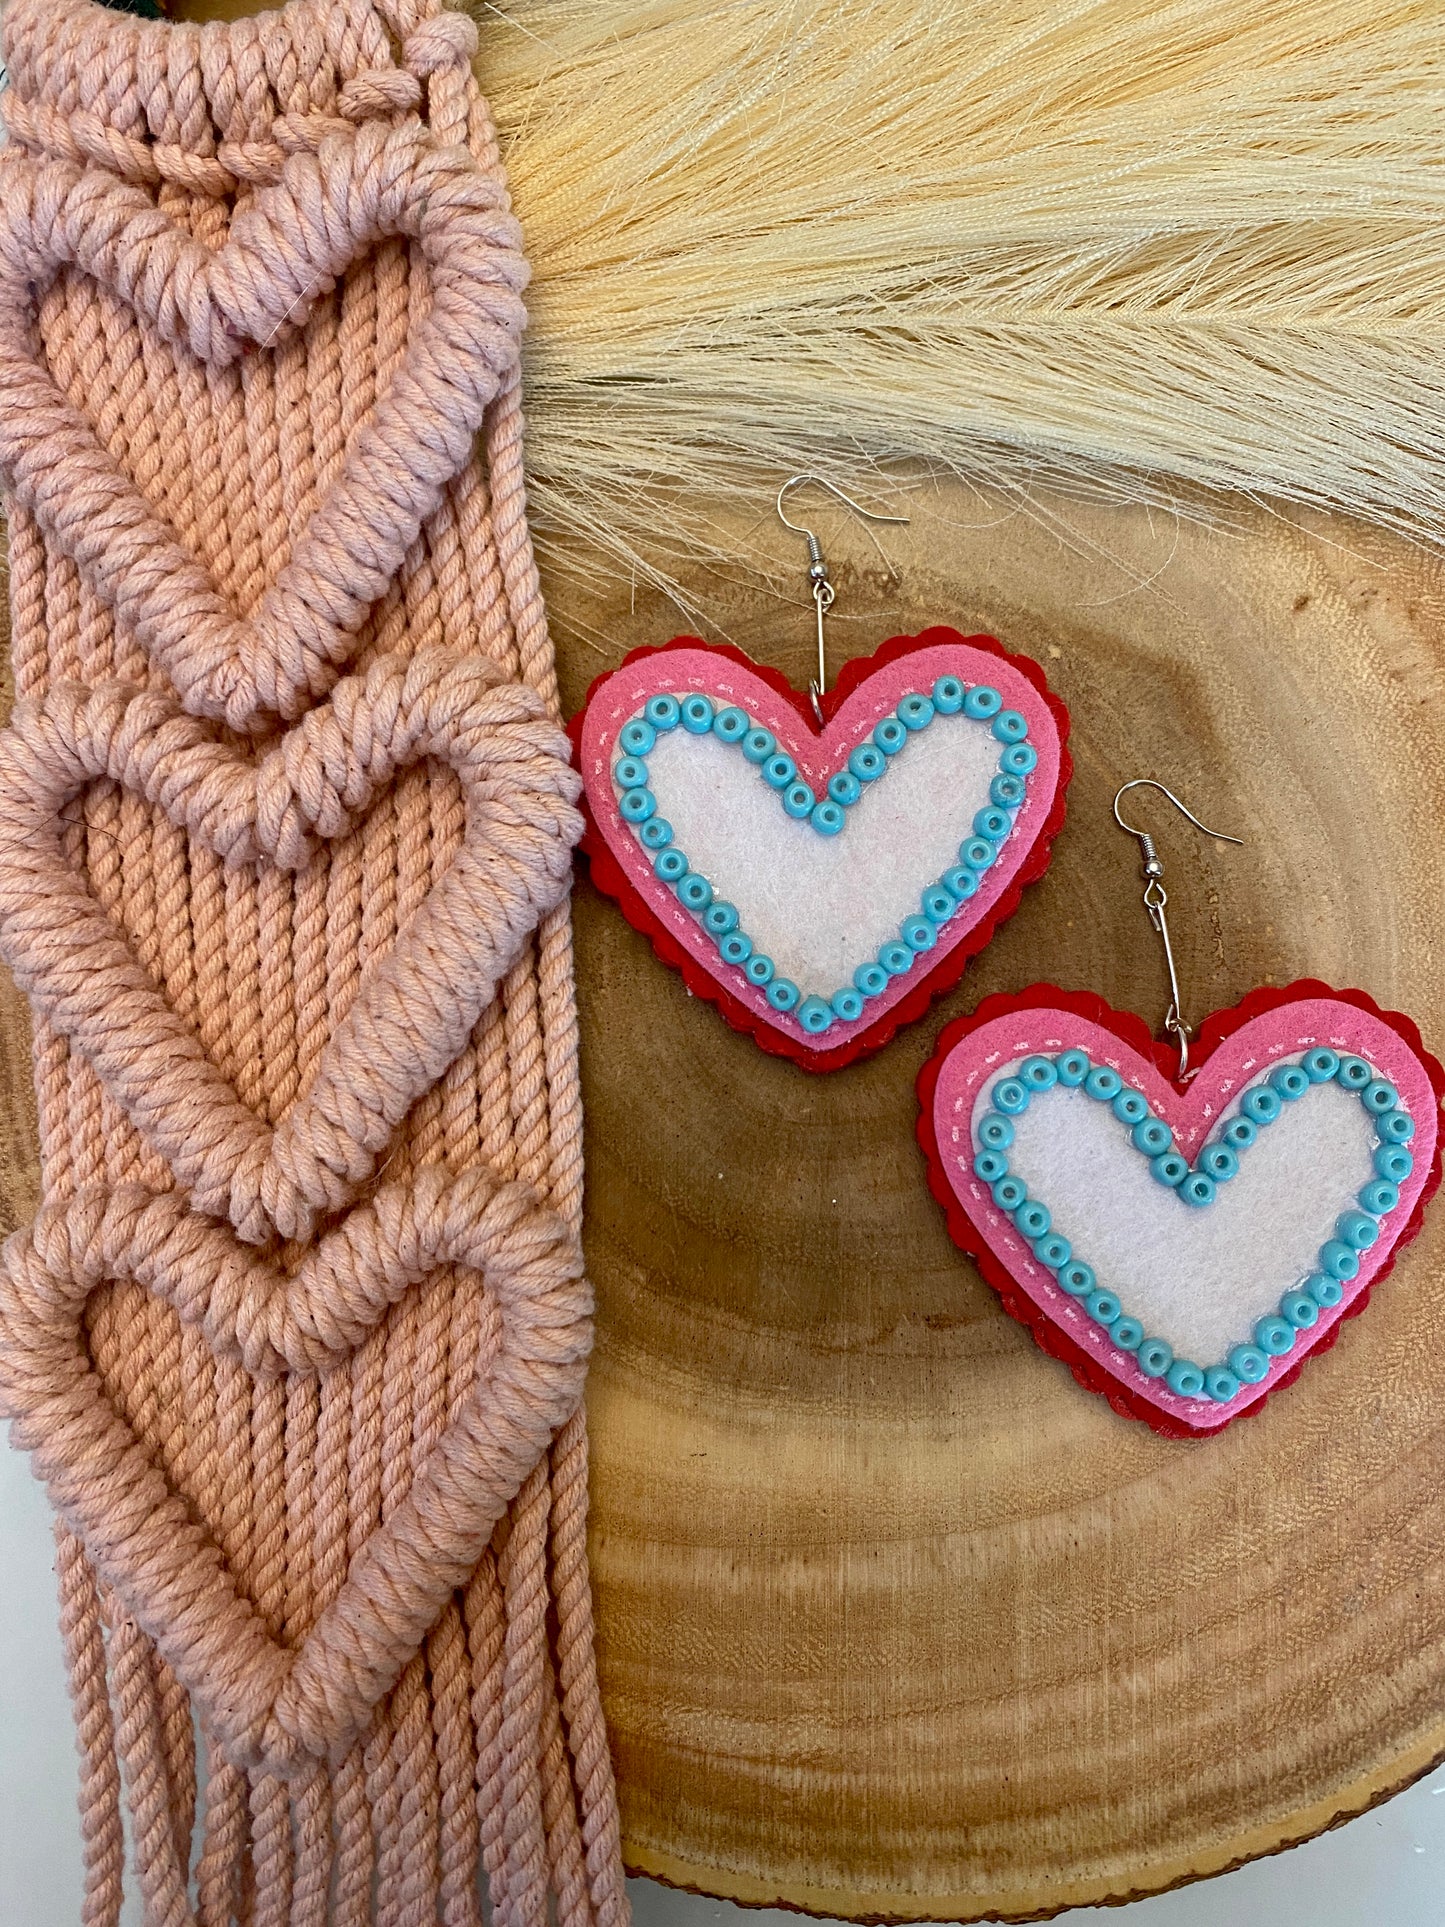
(1155,899)
(823,590)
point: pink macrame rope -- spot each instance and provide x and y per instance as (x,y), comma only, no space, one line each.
(298,1336)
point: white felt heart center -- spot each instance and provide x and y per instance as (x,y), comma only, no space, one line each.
(820,906)
(1198,1276)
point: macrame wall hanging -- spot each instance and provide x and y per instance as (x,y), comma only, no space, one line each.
(297,1340)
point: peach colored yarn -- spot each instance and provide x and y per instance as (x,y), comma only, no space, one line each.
(297,1339)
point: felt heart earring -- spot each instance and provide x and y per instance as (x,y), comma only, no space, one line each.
(820,867)
(1182,1226)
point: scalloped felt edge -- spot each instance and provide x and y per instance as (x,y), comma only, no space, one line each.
(609,877)
(1131,1031)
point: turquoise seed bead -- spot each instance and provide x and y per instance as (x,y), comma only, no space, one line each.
(798,800)
(948,695)
(977,853)
(1072,1067)
(629,773)
(656,833)
(759,969)
(1380,1196)
(1299,1309)
(890,735)
(1184,1378)
(844,788)
(1019,759)
(1261,1105)
(916,712)
(1170,1169)
(1038,1073)
(982,702)
(1077,1278)
(671,866)
(695,891)
(779,771)
(871,979)
(1339,1260)
(1053,1251)
(731,725)
(1326,1291)
(1155,1357)
(697,713)
(1153,1137)
(759,744)
(939,903)
(1130,1107)
(1197,1188)
(1103,1083)
(814,1015)
(720,917)
(990,1166)
(1009,727)
(1103,1307)
(1239,1133)
(918,933)
(1392,1161)
(1379,1097)
(1033,1219)
(1396,1127)
(783,994)
(896,958)
(637,737)
(1011,1095)
(848,1004)
(995,1131)
(736,947)
(1289,1081)
(1355,1074)
(1320,1065)
(1249,1363)
(962,882)
(1275,1335)
(1006,791)
(1219,1162)
(867,762)
(993,823)
(1128,1334)
(637,805)
(1221,1384)
(1010,1193)
(662,712)
(827,818)
(1357,1228)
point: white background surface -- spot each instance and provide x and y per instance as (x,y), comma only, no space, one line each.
(1387,1867)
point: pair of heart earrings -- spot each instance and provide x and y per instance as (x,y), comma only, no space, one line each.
(1182,1223)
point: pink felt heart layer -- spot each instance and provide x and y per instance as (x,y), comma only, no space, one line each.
(1241,1047)
(868,690)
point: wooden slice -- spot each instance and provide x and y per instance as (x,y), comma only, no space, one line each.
(895,1619)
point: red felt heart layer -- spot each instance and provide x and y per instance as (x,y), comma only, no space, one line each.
(271,1706)
(1235,1049)
(866,692)
(287,246)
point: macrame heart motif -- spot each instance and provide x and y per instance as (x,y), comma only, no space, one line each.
(286,247)
(415,1010)
(273,1707)
(821,887)
(1183,1251)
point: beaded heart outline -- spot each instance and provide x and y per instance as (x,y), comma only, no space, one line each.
(1131,1031)
(610,878)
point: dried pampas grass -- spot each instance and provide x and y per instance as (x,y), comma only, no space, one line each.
(1114,244)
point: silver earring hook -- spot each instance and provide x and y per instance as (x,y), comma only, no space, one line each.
(823,590)
(1155,899)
